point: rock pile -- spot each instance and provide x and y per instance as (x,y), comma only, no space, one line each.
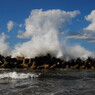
(46,62)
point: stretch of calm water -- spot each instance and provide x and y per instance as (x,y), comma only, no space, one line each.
(47,82)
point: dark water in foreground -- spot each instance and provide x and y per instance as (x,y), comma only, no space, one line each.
(50,82)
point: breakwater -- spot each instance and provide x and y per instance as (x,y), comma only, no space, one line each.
(46,62)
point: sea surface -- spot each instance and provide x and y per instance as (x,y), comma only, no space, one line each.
(47,82)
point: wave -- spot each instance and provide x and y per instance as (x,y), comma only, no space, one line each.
(16,75)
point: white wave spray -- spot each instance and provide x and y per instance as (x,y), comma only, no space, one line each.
(15,75)
(43,28)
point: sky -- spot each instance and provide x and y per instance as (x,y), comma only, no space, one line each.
(74,22)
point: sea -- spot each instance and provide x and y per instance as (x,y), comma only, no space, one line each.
(47,82)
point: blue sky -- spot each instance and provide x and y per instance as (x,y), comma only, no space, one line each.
(18,10)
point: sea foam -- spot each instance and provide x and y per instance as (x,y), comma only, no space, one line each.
(16,75)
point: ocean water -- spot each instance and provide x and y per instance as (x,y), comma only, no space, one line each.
(47,82)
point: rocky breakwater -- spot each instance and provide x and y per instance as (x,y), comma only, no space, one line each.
(46,62)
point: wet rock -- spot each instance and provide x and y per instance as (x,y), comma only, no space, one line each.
(46,62)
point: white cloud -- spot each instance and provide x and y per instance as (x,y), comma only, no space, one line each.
(42,27)
(91,17)
(76,37)
(20,32)
(20,25)
(91,41)
(90,29)
(87,33)
(4,47)
(10,25)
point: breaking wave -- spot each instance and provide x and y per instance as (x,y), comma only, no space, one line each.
(15,75)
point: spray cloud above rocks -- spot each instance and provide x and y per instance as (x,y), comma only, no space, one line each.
(43,29)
